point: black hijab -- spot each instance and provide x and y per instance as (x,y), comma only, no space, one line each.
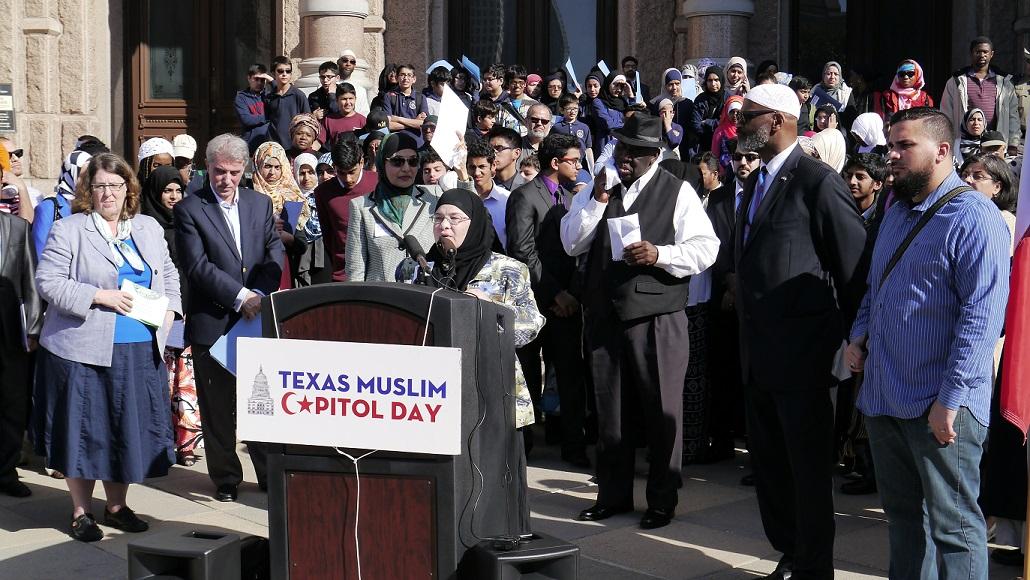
(611,101)
(712,101)
(469,259)
(545,97)
(150,202)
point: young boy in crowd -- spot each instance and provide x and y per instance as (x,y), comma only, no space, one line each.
(485,114)
(322,100)
(568,104)
(529,166)
(345,119)
(250,107)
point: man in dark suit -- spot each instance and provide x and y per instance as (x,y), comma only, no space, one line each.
(18,338)
(797,247)
(727,401)
(532,219)
(232,254)
(635,314)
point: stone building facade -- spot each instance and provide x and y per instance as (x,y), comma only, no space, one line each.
(81,66)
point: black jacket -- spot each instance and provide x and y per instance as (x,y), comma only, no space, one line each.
(532,223)
(17,282)
(798,285)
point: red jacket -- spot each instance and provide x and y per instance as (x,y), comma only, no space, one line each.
(333,204)
(889,102)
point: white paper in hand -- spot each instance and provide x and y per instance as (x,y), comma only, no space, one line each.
(450,127)
(148,306)
(623,231)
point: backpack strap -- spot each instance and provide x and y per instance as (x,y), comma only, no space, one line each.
(918,227)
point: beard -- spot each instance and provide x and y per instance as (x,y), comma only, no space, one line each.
(539,133)
(754,141)
(912,184)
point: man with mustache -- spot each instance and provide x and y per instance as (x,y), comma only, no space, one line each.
(798,241)
(925,336)
(635,320)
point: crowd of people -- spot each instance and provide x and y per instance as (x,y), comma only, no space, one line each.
(816,270)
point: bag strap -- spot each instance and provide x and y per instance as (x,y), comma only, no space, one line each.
(918,227)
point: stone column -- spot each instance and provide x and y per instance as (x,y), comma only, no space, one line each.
(327,27)
(713,28)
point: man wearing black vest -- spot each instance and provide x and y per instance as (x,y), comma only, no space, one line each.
(797,246)
(635,320)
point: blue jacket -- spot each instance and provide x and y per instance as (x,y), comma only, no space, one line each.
(45,217)
(280,111)
(250,110)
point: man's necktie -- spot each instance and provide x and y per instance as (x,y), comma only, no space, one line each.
(756,200)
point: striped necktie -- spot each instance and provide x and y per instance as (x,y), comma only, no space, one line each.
(756,200)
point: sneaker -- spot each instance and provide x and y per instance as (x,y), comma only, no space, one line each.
(125,520)
(85,529)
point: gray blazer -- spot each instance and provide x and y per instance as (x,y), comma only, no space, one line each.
(373,243)
(77,262)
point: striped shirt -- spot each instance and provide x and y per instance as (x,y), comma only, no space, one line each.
(983,94)
(933,324)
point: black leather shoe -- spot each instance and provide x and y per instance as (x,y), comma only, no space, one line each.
(126,520)
(576,458)
(863,486)
(85,529)
(226,492)
(15,489)
(748,480)
(656,518)
(782,571)
(598,512)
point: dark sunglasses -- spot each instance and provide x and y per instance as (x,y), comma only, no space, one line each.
(283,70)
(538,121)
(906,74)
(746,116)
(749,156)
(348,60)
(17,153)
(400,161)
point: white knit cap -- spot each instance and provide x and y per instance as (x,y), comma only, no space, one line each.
(155,146)
(775,97)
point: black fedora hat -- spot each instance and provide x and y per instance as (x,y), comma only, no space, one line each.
(641,130)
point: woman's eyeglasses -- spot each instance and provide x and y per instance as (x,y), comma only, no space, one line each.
(906,74)
(452,220)
(104,187)
(400,161)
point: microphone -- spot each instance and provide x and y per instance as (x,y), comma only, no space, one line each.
(449,251)
(414,249)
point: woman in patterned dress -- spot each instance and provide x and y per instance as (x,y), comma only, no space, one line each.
(462,222)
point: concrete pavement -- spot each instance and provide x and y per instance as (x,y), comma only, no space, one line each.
(716,534)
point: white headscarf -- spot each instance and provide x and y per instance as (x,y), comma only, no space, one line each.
(869,128)
(742,87)
(155,146)
(831,148)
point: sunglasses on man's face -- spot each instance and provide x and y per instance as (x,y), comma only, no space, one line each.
(348,60)
(400,161)
(751,157)
(283,71)
(745,117)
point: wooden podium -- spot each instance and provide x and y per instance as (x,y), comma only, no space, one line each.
(419,513)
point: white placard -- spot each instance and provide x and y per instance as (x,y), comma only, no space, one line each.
(450,127)
(346,394)
(148,306)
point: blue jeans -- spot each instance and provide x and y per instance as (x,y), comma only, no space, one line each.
(929,493)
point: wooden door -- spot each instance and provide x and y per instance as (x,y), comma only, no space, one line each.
(188,59)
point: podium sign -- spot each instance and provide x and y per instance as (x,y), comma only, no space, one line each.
(347,394)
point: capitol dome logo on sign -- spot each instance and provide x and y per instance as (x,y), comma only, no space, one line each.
(260,401)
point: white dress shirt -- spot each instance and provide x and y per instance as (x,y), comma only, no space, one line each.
(696,244)
(496,203)
(231,213)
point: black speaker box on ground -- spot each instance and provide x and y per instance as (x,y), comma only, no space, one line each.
(540,557)
(195,555)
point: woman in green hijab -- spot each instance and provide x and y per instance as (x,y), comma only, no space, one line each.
(397,208)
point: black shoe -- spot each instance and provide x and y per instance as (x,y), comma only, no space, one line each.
(863,486)
(263,486)
(1007,557)
(15,489)
(226,492)
(527,439)
(782,571)
(85,529)
(748,480)
(598,512)
(125,520)
(576,458)
(656,518)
